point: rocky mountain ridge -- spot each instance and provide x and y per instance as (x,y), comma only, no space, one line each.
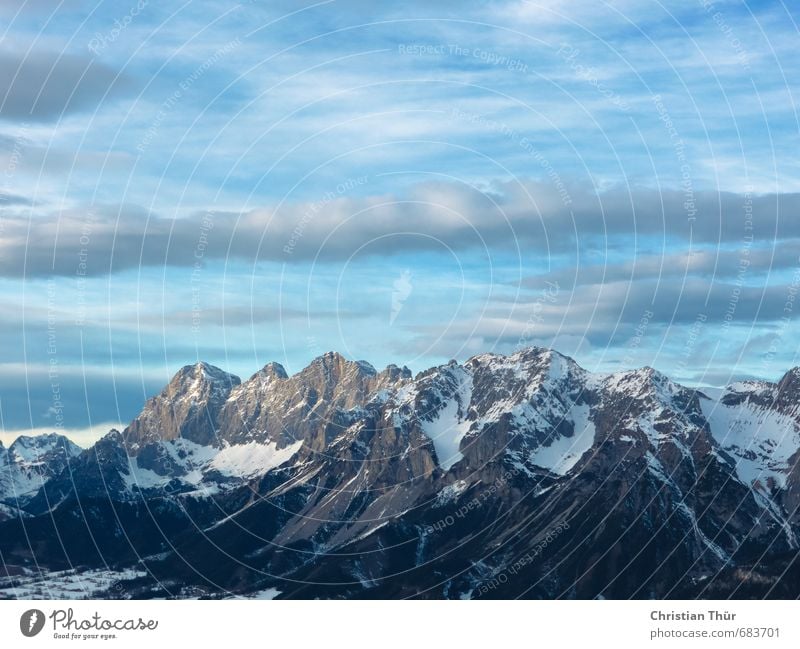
(343,481)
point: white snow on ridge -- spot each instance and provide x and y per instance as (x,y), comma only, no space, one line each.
(252,459)
(761,440)
(563,453)
(6,510)
(143,478)
(713,547)
(450,425)
(20,481)
(450,492)
(239,461)
(191,457)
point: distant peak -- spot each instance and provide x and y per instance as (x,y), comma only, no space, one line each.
(367,367)
(330,356)
(37,441)
(790,381)
(30,446)
(206,372)
(112,436)
(533,351)
(274,370)
(645,371)
(207,368)
(530,352)
(644,378)
(393,371)
(25,441)
(793,373)
(328,359)
(335,359)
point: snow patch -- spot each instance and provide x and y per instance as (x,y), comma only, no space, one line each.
(762,441)
(267,593)
(450,493)
(563,453)
(450,425)
(252,459)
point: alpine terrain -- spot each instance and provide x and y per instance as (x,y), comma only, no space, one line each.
(502,477)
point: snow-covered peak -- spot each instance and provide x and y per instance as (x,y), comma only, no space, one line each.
(443,407)
(524,356)
(195,469)
(763,440)
(642,382)
(529,364)
(536,395)
(746,390)
(32,460)
(748,385)
(33,448)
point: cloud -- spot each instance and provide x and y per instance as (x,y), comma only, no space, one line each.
(516,218)
(45,85)
(37,6)
(13,199)
(741,263)
(81,395)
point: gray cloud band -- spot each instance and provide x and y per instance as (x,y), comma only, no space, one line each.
(530,215)
(43,86)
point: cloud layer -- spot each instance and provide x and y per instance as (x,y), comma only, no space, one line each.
(513,217)
(47,85)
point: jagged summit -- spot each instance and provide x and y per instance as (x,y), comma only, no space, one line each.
(642,379)
(272,370)
(333,365)
(203,371)
(186,407)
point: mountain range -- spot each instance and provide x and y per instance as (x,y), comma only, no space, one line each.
(518,476)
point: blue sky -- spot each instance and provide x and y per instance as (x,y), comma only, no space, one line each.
(242,183)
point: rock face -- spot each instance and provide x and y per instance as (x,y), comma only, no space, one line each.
(187,408)
(505,476)
(270,406)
